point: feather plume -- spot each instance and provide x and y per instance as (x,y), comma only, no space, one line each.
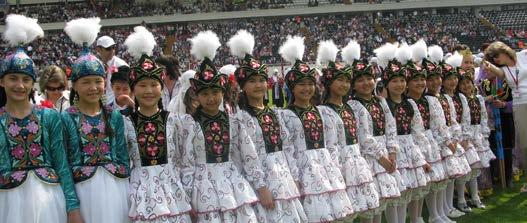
(228,69)
(403,54)
(292,49)
(419,51)
(435,53)
(21,30)
(327,52)
(455,60)
(385,53)
(351,52)
(242,43)
(83,30)
(205,44)
(140,42)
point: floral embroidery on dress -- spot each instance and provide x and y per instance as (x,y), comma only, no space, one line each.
(424,109)
(151,138)
(95,143)
(377,114)
(312,125)
(270,129)
(458,106)
(403,114)
(217,135)
(446,109)
(475,110)
(350,123)
(23,138)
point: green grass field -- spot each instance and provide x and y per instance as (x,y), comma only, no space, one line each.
(504,206)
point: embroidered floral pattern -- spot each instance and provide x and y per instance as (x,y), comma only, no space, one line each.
(24,146)
(377,115)
(403,114)
(217,136)
(312,125)
(270,129)
(424,109)
(350,123)
(458,106)
(151,138)
(475,110)
(94,142)
(446,109)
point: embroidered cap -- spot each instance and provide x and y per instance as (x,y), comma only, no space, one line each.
(204,46)
(241,45)
(140,44)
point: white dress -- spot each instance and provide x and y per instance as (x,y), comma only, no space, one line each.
(430,110)
(377,138)
(276,154)
(219,163)
(456,133)
(156,193)
(410,160)
(361,188)
(463,118)
(480,131)
(322,185)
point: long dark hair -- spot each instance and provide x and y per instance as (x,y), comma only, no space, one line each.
(106,114)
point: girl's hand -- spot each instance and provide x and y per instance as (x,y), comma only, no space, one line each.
(75,216)
(387,164)
(465,144)
(266,198)
(452,147)
(427,168)
(393,158)
(125,100)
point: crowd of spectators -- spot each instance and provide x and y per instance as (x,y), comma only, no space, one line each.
(446,30)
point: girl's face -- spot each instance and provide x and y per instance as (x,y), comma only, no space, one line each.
(17,86)
(364,85)
(210,99)
(340,86)
(397,86)
(416,86)
(450,83)
(255,87)
(304,90)
(434,84)
(147,92)
(90,88)
(466,87)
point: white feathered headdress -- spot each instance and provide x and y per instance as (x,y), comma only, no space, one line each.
(241,44)
(292,49)
(327,52)
(351,52)
(21,30)
(140,42)
(83,31)
(204,45)
(385,53)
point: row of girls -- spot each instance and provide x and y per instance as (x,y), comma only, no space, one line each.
(349,157)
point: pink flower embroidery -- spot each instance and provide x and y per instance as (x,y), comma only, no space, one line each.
(32,127)
(310,116)
(255,65)
(207,75)
(86,128)
(18,175)
(215,127)
(161,138)
(291,77)
(18,152)
(147,65)
(14,130)
(152,150)
(222,81)
(34,150)
(42,172)
(104,148)
(89,149)
(100,127)
(87,170)
(150,128)
(274,139)
(304,68)
(141,139)
(431,67)
(110,167)
(218,148)
(267,119)
(360,66)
